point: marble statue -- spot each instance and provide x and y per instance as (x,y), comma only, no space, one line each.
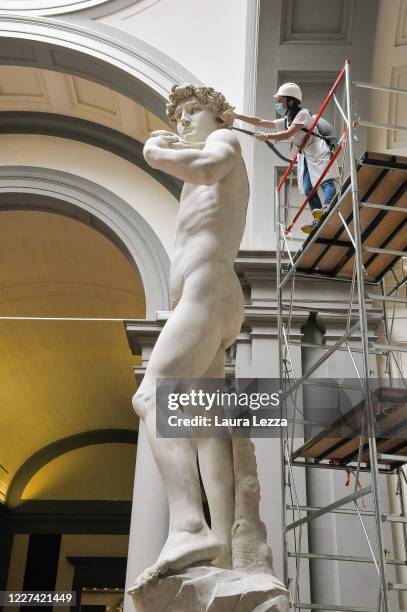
(207,313)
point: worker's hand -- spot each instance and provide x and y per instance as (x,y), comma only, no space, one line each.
(262,136)
(229,115)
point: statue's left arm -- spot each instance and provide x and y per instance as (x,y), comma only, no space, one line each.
(204,166)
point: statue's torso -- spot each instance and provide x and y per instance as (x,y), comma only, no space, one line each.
(210,226)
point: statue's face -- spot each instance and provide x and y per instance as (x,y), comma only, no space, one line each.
(195,121)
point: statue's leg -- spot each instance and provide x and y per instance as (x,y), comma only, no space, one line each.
(216,467)
(184,349)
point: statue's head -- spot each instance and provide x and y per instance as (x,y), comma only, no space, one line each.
(196,111)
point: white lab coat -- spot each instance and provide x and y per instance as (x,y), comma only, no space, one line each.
(316,150)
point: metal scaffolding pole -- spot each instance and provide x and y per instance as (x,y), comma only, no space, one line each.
(365,340)
(367,459)
(281,377)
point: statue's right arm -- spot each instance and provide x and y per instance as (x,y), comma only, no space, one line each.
(197,166)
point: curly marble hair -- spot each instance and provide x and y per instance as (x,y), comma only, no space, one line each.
(206,95)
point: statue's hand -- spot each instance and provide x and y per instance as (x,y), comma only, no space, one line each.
(183,144)
(156,133)
(163,138)
(229,115)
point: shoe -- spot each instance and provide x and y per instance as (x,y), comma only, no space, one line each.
(309,227)
(318,213)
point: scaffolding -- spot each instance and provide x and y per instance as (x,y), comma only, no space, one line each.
(358,241)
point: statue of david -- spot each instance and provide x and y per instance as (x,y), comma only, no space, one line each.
(230,563)
(208,310)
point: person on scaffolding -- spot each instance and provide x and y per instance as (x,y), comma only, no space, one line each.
(312,161)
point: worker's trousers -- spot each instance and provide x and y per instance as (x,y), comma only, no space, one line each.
(328,188)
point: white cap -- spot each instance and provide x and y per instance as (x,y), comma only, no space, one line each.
(289,89)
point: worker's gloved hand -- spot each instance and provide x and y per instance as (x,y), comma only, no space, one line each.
(229,115)
(263,136)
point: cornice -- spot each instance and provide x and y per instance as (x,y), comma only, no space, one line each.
(255,261)
(141,332)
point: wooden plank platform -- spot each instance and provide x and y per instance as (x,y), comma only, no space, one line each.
(382,179)
(339,442)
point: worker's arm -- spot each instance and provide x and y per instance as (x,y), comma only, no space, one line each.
(284,135)
(256,121)
(231,114)
(200,166)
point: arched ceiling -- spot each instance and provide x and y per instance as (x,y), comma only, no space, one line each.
(106,473)
(25,88)
(93,51)
(60,378)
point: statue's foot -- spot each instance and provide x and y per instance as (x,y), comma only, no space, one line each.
(151,574)
(181,550)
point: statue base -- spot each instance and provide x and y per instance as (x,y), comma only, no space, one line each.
(211,589)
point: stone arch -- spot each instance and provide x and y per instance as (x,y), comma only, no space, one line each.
(89,132)
(74,196)
(96,52)
(126,64)
(63,7)
(44,7)
(46,454)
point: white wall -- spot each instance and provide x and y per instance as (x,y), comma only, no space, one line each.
(207,38)
(306,43)
(146,195)
(390,68)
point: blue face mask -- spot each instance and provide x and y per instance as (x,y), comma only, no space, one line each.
(280,108)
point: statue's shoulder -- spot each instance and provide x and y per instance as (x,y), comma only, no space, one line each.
(226,136)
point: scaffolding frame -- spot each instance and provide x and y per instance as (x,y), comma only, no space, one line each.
(377,463)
